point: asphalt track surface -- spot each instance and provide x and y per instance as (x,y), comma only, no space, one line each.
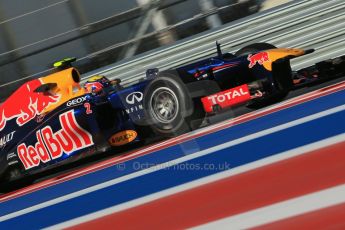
(175,175)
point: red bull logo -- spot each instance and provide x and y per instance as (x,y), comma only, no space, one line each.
(25,104)
(259,58)
(52,145)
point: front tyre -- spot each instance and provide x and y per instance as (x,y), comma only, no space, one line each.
(164,105)
(167,103)
(277,96)
(13,179)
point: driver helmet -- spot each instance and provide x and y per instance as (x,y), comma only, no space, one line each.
(95,84)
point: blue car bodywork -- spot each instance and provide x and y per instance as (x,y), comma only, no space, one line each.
(54,125)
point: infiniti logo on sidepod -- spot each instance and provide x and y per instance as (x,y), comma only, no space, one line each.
(134,97)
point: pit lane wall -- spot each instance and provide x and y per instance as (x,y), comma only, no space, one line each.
(305,24)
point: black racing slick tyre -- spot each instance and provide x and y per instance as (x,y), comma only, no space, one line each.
(166,104)
(13,179)
(254,48)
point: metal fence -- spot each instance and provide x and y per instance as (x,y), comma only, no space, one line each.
(315,24)
(99,38)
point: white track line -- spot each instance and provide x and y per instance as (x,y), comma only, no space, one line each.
(190,185)
(174,162)
(281,210)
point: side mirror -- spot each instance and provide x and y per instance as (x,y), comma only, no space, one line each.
(45,87)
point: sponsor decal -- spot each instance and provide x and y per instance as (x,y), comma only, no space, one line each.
(24,104)
(76,101)
(134,97)
(11,155)
(87,106)
(5,139)
(259,58)
(12,159)
(12,162)
(50,146)
(123,138)
(227,98)
(134,109)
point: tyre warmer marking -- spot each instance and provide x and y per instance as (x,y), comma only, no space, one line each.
(50,146)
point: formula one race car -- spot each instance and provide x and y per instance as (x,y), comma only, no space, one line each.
(53,120)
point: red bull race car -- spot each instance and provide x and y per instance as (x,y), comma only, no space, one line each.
(53,120)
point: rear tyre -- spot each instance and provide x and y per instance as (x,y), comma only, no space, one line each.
(12,174)
(277,96)
(253,48)
(167,103)
(13,179)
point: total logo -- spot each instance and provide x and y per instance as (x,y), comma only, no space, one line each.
(227,98)
(220,98)
(50,146)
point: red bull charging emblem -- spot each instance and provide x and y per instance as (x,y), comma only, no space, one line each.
(258,58)
(52,145)
(25,104)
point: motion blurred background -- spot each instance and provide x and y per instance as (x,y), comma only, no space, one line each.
(36,33)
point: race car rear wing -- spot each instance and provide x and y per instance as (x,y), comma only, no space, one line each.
(321,71)
(281,68)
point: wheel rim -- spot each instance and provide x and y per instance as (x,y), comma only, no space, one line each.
(164,105)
